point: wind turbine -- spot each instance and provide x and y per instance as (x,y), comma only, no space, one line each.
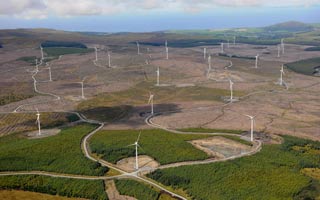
(251,127)
(222,47)
(96,52)
(82,87)
(282,45)
(138,47)
(151,102)
(209,63)
(158,76)
(231,90)
(38,122)
(136,144)
(204,53)
(234,40)
(50,74)
(281,75)
(109,59)
(257,58)
(167,50)
(42,56)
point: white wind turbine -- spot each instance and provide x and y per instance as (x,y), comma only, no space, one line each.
(281,75)
(151,96)
(96,53)
(50,74)
(204,53)
(279,50)
(257,58)
(231,90)
(136,144)
(251,126)
(234,40)
(138,47)
(209,65)
(222,47)
(158,76)
(82,87)
(167,50)
(42,56)
(282,45)
(109,59)
(38,122)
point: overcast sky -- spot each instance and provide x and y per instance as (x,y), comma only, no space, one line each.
(152,15)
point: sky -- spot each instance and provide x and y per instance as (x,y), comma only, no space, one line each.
(153,15)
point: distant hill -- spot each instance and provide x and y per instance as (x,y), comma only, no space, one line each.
(291,26)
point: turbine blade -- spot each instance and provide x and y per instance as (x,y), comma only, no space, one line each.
(131,145)
(139,137)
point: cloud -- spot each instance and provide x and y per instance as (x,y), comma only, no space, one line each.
(67,8)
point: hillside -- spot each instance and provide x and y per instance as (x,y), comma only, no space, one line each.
(290,26)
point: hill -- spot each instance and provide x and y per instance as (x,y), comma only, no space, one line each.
(290,26)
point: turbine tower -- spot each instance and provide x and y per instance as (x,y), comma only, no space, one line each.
(38,122)
(136,144)
(257,58)
(50,74)
(96,53)
(82,87)
(234,40)
(282,45)
(138,47)
(151,102)
(204,53)
(109,59)
(222,47)
(209,63)
(251,126)
(231,90)
(167,50)
(281,75)
(158,76)
(42,56)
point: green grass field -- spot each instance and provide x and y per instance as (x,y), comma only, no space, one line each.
(159,144)
(55,186)
(10,98)
(274,173)
(136,189)
(60,153)
(58,51)
(304,66)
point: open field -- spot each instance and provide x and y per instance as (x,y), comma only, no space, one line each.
(55,186)
(16,194)
(274,173)
(60,153)
(190,98)
(112,145)
(22,122)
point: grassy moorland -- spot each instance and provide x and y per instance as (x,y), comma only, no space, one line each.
(304,66)
(274,173)
(159,144)
(60,153)
(120,103)
(55,186)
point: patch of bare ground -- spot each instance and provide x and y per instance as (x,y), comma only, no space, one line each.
(220,147)
(113,193)
(44,133)
(146,163)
